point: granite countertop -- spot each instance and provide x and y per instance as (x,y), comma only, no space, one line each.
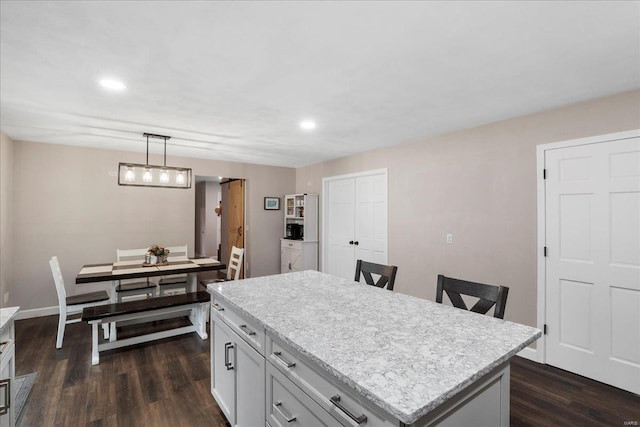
(6,315)
(406,355)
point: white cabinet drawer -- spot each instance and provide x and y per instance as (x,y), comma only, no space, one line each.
(292,244)
(246,328)
(288,406)
(347,407)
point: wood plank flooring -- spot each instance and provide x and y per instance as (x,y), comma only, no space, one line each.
(166,383)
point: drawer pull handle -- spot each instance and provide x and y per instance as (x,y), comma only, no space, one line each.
(216,307)
(246,330)
(227,359)
(282,360)
(278,407)
(6,384)
(358,420)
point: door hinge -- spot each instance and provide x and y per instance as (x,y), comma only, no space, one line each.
(544,174)
(545,329)
(545,251)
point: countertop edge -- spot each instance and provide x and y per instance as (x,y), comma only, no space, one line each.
(12,313)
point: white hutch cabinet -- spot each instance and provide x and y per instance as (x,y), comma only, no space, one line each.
(299,247)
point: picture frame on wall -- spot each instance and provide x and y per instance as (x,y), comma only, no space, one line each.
(272,203)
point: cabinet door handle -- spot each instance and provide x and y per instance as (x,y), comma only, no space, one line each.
(278,407)
(6,384)
(289,266)
(227,359)
(246,330)
(216,307)
(351,242)
(282,360)
(356,243)
(358,420)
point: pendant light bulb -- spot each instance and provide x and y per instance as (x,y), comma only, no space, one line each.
(164,178)
(147,177)
(180,178)
(130,175)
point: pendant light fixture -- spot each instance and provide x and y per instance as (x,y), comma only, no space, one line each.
(147,175)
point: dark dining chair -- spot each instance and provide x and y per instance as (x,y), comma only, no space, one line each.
(488,295)
(387,274)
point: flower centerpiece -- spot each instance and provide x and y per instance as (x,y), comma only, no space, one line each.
(158,254)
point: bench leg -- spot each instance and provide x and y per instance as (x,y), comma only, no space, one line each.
(95,358)
(113,333)
(201,323)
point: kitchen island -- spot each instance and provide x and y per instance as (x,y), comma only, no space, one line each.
(321,350)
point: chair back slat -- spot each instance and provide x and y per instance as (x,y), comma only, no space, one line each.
(488,295)
(235,263)
(131,254)
(387,274)
(176,251)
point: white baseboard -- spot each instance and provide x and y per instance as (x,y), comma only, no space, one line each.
(37,312)
(529,353)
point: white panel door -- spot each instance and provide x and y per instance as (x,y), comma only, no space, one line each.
(371,219)
(592,196)
(340,210)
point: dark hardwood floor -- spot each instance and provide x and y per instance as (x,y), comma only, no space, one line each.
(166,383)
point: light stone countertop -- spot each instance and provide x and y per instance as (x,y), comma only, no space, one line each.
(6,315)
(406,355)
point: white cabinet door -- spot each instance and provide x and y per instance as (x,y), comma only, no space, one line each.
(223,352)
(592,195)
(291,260)
(249,386)
(5,374)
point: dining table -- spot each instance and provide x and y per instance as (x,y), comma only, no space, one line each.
(134,269)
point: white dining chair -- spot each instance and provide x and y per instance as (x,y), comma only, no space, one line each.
(174,281)
(73,305)
(235,263)
(132,287)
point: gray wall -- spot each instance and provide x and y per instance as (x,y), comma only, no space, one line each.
(65,203)
(6,192)
(480,185)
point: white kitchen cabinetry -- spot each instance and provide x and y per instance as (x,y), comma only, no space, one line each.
(7,367)
(237,368)
(299,247)
(298,255)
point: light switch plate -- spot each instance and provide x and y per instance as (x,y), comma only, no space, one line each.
(449,239)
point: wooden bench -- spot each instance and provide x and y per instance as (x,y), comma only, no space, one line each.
(146,310)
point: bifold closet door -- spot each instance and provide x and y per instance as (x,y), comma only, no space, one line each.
(356,222)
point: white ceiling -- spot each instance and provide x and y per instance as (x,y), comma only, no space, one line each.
(231,80)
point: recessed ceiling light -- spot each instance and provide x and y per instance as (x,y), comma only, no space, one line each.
(112,84)
(307,125)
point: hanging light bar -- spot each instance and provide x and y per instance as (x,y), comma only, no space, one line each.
(138,175)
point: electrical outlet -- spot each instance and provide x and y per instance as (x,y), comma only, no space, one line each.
(449,239)
(6,297)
